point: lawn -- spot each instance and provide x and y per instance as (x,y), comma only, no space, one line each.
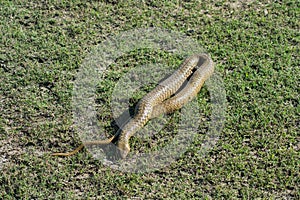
(255,47)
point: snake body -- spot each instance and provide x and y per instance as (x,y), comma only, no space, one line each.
(198,67)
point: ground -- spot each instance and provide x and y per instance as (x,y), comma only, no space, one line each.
(255,47)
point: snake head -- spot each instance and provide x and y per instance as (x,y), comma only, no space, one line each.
(124,149)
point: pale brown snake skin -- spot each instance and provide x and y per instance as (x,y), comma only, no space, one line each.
(198,67)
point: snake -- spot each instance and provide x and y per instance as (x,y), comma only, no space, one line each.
(194,71)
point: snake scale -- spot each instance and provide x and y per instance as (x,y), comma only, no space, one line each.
(196,69)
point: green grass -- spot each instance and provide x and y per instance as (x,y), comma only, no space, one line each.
(256,49)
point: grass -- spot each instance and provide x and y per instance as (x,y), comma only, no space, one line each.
(256,49)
